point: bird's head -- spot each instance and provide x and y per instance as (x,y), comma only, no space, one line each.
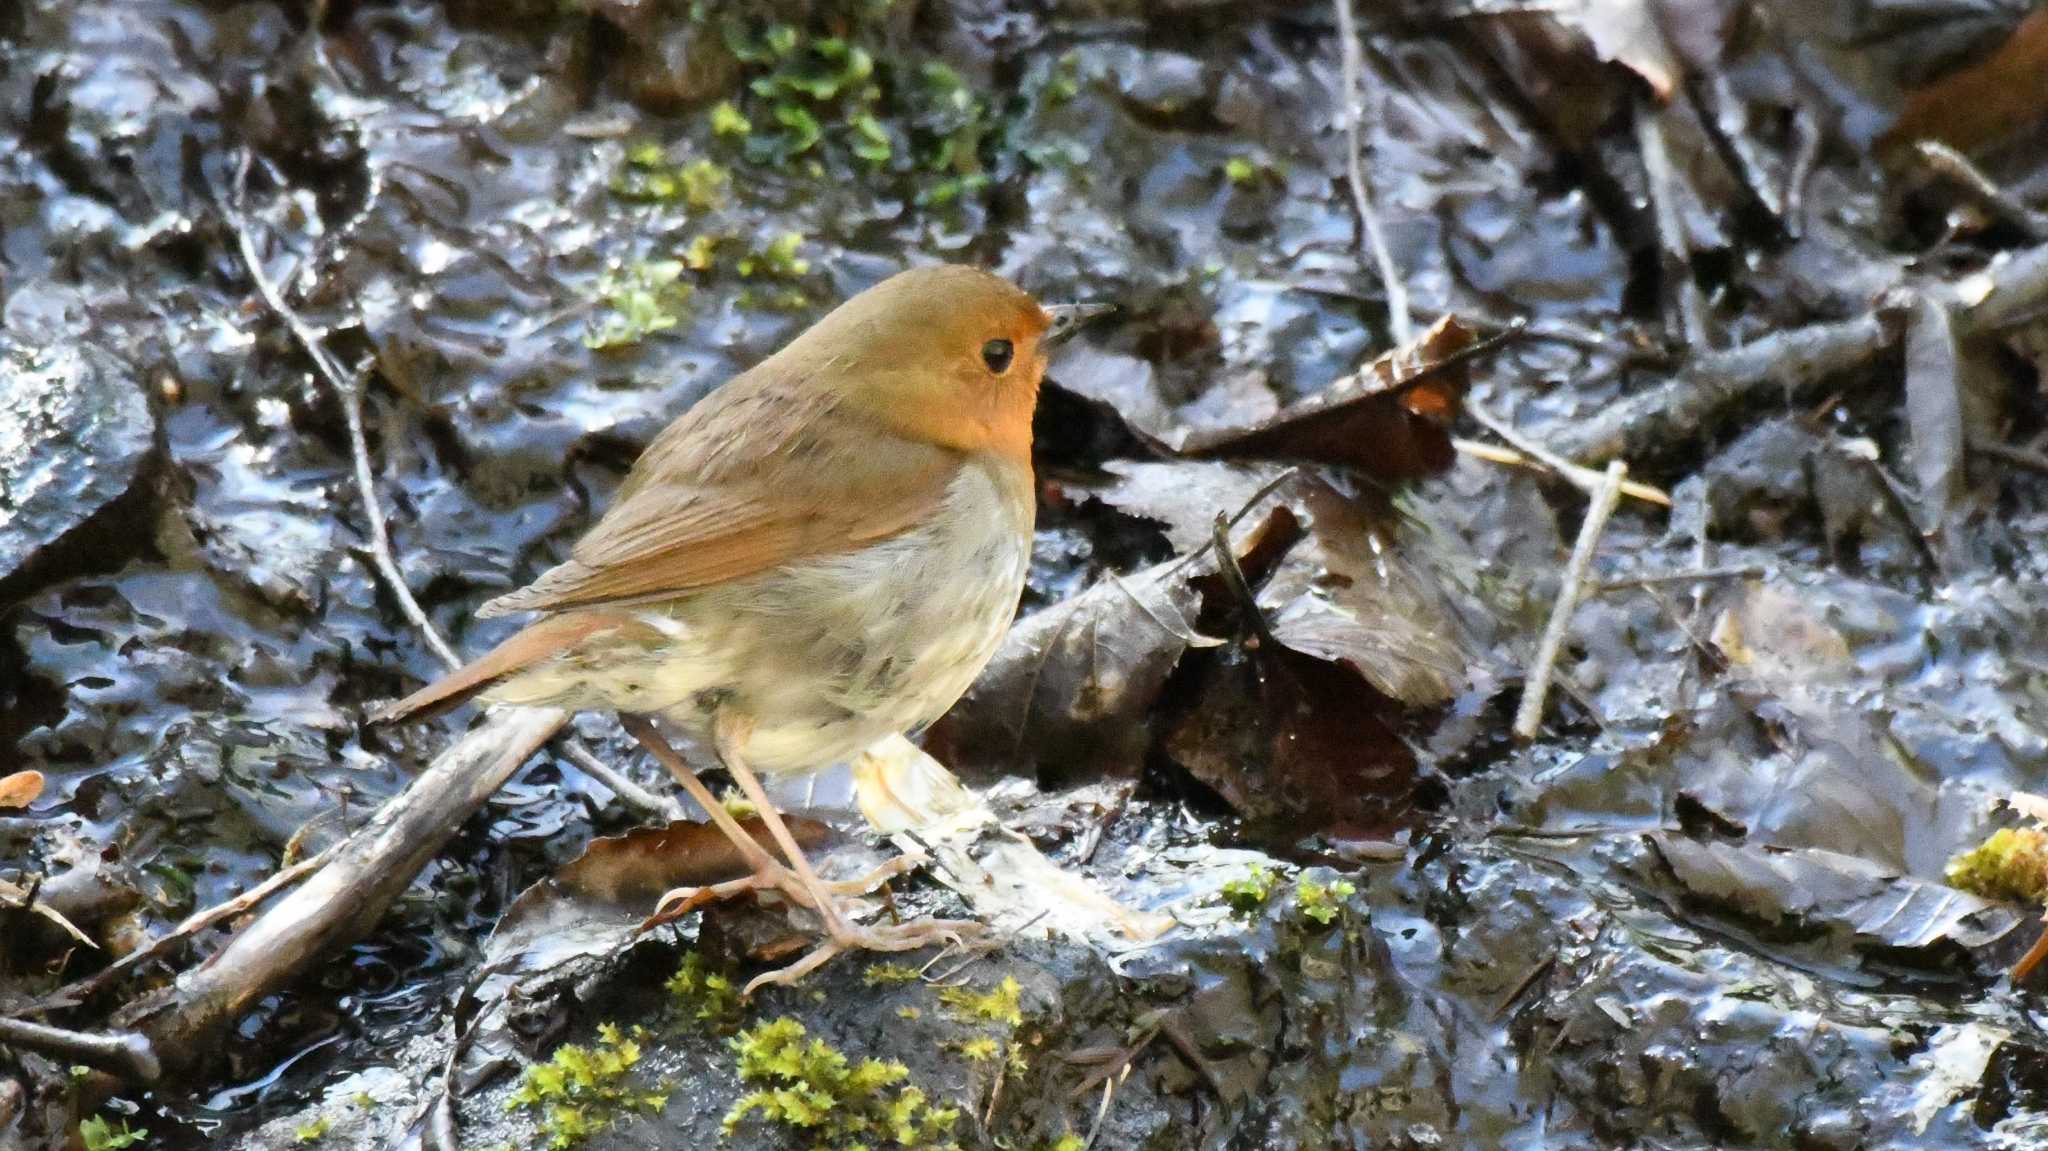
(949,355)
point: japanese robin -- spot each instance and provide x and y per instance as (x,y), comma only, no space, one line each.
(822,552)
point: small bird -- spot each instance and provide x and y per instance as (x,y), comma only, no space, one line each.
(822,552)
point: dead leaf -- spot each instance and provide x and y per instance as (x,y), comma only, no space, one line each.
(1973,106)
(1390,419)
(1814,889)
(595,905)
(20,789)
(1285,737)
(1351,585)
(1772,637)
(1069,692)
(1009,882)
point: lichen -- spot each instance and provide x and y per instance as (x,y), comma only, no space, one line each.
(807,1085)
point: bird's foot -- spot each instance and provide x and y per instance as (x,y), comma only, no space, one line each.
(842,935)
(769,875)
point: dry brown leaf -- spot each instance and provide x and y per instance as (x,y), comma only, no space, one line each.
(20,789)
(1391,419)
(1347,586)
(1977,105)
(1070,690)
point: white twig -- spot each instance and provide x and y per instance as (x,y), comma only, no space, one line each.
(348,392)
(1536,688)
(1353,50)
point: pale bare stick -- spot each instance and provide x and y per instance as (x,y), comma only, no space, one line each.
(1583,478)
(1509,457)
(1536,688)
(1354,169)
(348,393)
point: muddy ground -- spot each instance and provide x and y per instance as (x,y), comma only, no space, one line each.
(1707,905)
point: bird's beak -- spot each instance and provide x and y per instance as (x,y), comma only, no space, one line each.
(1066,319)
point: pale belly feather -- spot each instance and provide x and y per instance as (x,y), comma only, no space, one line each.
(827,656)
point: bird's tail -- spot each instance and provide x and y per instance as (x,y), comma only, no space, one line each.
(531,645)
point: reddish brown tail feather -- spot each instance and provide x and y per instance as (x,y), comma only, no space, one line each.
(528,646)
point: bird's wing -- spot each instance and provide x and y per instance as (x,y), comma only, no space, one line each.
(752,478)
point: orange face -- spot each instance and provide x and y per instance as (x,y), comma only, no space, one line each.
(946,355)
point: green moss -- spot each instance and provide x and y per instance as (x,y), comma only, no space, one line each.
(1242,170)
(701,994)
(777,259)
(1245,896)
(810,1087)
(880,973)
(642,299)
(837,92)
(1322,901)
(313,1132)
(2012,864)
(1067,1143)
(648,177)
(99,1135)
(582,1090)
(1003,1004)
(981,1049)
(726,120)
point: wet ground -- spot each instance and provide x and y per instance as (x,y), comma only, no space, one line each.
(1705,908)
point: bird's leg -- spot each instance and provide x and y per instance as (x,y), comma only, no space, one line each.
(767,874)
(841,933)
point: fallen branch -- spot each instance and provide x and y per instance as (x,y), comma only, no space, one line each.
(1794,364)
(192,925)
(126,1054)
(1536,689)
(345,899)
(1354,170)
(348,393)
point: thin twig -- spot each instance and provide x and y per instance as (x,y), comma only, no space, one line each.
(2022,458)
(192,925)
(1109,1087)
(1529,717)
(1354,168)
(1265,489)
(1510,457)
(1955,167)
(348,392)
(1696,575)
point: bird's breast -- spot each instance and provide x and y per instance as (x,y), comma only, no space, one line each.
(833,653)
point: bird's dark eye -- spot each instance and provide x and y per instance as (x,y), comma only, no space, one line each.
(996,354)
